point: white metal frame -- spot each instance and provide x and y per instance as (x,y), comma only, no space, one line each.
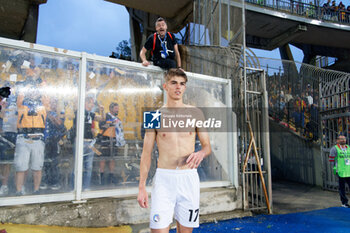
(265,141)
(78,195)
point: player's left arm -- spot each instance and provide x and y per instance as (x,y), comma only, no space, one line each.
(195,159)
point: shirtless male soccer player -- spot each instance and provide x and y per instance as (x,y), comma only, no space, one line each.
(176,182)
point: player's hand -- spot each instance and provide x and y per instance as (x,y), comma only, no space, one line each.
(195,159)
(142,198)
(145,63)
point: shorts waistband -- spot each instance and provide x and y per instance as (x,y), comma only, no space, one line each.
(175,171)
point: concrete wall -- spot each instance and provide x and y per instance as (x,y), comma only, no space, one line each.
(112,211)
(294,158)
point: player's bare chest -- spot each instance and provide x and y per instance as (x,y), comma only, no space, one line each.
(176,136)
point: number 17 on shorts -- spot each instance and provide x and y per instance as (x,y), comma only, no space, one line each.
(193,215)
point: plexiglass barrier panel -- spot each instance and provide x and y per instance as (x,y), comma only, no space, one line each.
(210,97)
(39,122)
(115,99)
(36,154)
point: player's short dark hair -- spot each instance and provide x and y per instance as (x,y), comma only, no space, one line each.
(175,72)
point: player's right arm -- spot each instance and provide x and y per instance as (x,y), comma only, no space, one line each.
(145,165)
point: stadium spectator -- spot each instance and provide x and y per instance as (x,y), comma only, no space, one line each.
(110,138)
(342,13)
(89,149)
(311,10)
(54,131)
(288,96)
(309,99)
(30,139)
(334,11)
(326,10)
(298,119)
(163,47)
(8,140)
(314,119)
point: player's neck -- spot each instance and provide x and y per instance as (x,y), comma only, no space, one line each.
(174,103)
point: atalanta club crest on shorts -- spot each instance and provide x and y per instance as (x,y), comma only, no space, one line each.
(156,218)
(151,120)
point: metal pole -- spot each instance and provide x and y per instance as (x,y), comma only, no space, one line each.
(219,22)
(232,138)
(205,21)
(244,58)
(319,126)
(79,139)
(211,23)
(228,22)
(245,94)
(194,22)
(244,143)
(266,139)
(199,22)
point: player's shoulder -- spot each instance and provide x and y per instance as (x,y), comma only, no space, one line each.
(192,108)
(189,106)
(194,111)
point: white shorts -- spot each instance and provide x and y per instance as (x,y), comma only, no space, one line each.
(175,190)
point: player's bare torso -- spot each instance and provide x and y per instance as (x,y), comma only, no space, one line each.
(176,145)
(174,149)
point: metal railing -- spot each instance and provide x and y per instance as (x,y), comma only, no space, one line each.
(335,119)
(305,9)
(253,117)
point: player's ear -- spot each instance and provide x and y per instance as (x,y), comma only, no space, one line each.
(165,86)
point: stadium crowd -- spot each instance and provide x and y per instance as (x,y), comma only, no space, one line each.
(294,105)
(330,11)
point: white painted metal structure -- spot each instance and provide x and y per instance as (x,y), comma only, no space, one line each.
(84,77)
(255,111)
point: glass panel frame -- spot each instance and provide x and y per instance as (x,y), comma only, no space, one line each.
(78,195)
